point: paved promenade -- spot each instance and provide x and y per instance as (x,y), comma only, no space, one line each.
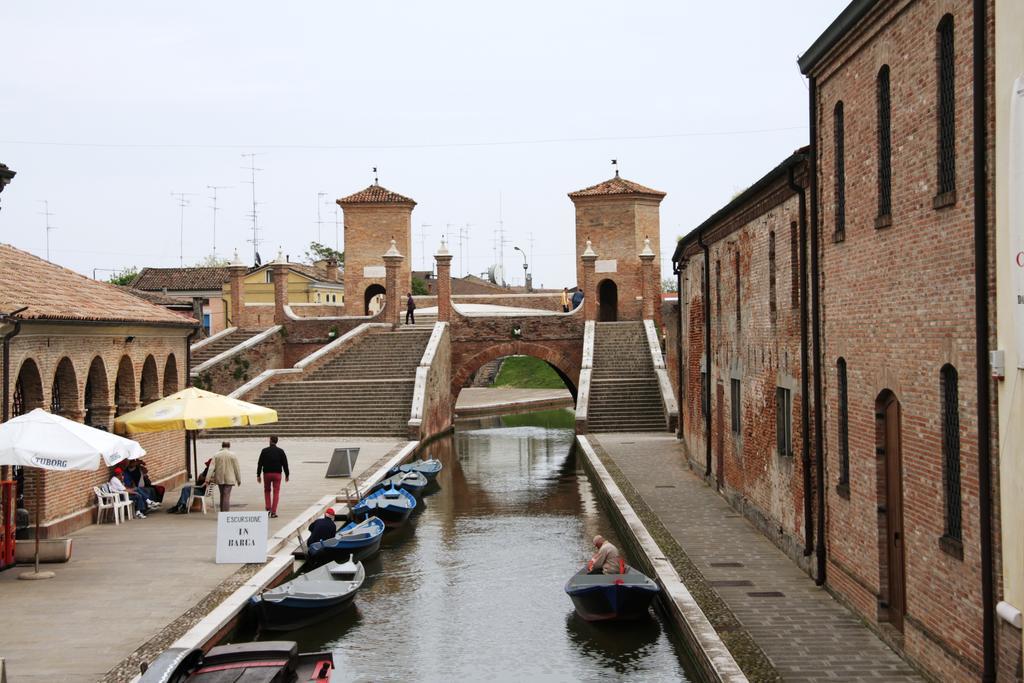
(806,634)
(125,583)
(485,400)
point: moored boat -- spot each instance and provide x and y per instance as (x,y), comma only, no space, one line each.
(358,540)
(413,482)
(601,597)
(309,597)
(268,661)
(392,505)
(428,468)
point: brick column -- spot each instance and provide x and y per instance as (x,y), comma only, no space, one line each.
(102,416)
(279,268)
(444,283)
(589,286)
(647,289)
(393,308)
(236,274)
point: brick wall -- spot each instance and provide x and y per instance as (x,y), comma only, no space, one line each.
(369,230)
(236,370)
(897,306)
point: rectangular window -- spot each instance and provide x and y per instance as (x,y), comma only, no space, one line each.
(884,151)
(948,385)
(268,275)
(794,265)
(839,179)
(783,421)
(772,303)
(946,110)
(734,400)
(843,427)
(739,316)
(704,394)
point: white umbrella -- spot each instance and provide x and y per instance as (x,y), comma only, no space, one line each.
(51,442)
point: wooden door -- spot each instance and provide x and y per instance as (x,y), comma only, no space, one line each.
(894,512)
(720,436)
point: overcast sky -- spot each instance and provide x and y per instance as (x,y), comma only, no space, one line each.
(109,107)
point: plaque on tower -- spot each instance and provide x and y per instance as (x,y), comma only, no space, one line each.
(606,266)
(373,271)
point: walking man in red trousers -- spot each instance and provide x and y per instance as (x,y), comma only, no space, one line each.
(273,462)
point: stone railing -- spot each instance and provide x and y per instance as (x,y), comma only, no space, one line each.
(583,388)
(668,396)
(212,338)
(431,410)
(225,371)
(255,387)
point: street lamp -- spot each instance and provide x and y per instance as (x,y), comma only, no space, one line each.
(526,276)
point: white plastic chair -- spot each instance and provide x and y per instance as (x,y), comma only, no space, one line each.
(202,497)
(119,504)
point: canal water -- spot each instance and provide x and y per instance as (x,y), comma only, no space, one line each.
(473,587)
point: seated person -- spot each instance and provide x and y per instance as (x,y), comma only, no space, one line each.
(323,528)
(606,560)
(142,503)
(136,475)
(181,507)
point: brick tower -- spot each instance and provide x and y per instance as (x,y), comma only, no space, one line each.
(374,217)
(617,216)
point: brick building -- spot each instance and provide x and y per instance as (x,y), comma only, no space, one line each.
(88,351)
(617,216)
(373,217)
(749,274)
(199,285)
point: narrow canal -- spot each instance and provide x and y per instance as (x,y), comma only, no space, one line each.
(472,589)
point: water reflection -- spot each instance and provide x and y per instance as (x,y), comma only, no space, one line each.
(472,589)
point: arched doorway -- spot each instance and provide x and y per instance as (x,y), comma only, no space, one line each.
(64,393)
(149,390)
(373,299)
(124,387)
(170,375)
(28,389)
(97,395)
(890,509)
(607,301)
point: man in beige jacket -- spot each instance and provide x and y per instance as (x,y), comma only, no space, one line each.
(225,473)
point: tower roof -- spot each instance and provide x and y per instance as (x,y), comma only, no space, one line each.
(375,194)
(616,186)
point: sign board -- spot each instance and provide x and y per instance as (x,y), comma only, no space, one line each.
(342,462)
(374,271)
(242,537)
(1015,206)
(606,266)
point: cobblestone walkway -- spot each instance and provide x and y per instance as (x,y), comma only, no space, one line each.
(807,634)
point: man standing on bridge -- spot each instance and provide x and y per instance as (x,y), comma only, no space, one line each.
(410,308)
(272,463)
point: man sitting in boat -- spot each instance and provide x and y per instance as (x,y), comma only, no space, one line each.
(606,560)
(323,528)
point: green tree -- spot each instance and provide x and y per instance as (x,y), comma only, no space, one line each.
(125,277)
(322,252)
(419,286)
(212,261)
(668,284)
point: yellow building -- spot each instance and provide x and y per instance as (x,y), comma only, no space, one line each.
(1009,215)
(317,284)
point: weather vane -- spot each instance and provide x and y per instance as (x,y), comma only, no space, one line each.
(615,163)
(375,182)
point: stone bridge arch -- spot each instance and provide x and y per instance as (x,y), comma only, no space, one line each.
(567,367)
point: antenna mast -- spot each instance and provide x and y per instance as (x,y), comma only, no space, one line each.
(215,210)
(423,245)
(182,203)
(319,223)
(254,215)
(337,228)
(46,212)
(463,240)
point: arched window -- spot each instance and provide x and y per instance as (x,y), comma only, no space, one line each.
(843,430)
(772,302)
(884,149)
(64,392)
(839,138)
(170,375)
(946,111)
(950,396)
(149,386)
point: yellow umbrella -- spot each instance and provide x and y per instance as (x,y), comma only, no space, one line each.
(193,409)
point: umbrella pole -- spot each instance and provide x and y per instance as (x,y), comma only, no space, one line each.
(37,574)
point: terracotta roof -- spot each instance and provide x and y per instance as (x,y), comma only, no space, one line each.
(159,298)
(616,185)
(375,194)
(55,293)
(180,279)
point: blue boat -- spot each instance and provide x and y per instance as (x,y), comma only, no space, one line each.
(428,468)
(602,597)
(413,482)
(309,597)
(360,540)
(392,505)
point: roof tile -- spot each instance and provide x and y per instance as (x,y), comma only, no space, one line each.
(182,279)
(614,186)
(375,194)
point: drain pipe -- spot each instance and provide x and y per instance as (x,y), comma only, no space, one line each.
(819,450)
(9,318)
(706,389)
(678,270)
(981,341)
(805,380)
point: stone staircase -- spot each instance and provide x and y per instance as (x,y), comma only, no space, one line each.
(624,393)
(219,346)
(364,391)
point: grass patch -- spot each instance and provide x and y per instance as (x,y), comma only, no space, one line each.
(549,419)
(527,372)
